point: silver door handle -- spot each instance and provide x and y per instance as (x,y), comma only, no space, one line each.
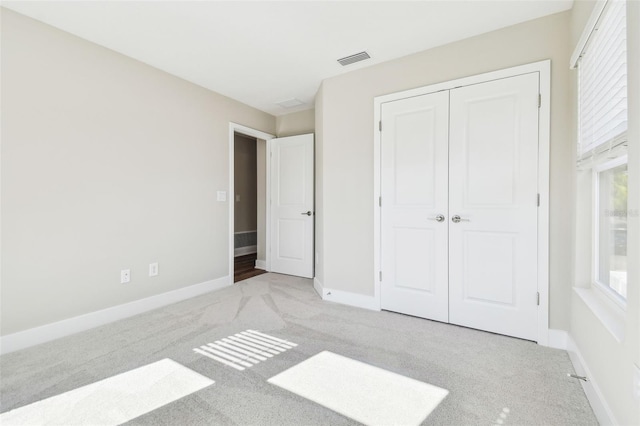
(308,213)
(439,218)
(456,219)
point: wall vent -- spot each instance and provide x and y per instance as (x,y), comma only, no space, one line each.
(348,60)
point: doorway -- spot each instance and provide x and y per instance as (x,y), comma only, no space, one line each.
(249,181)
(248,194)
(285,202)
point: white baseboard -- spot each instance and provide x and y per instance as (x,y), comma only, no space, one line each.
(261,264)
(345,297)
(317,286)
(35,336)
(241,251)
(557,339)
(594,395)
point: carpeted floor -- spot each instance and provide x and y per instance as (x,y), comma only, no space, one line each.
(491,379)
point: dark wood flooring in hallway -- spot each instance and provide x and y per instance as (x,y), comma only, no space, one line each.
(244,267)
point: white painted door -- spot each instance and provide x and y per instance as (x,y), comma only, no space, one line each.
(414,196)
(292,205)
(493,145)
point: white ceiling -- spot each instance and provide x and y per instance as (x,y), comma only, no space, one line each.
(264,52)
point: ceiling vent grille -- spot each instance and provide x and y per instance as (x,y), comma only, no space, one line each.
(348,60)
(290,103)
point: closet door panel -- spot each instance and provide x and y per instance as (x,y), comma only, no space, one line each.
(493,189)
(414,193)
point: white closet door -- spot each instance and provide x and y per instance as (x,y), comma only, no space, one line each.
(292,199)
(414,194)
(493,188)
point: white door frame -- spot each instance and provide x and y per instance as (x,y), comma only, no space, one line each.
(248,131)
(542,67)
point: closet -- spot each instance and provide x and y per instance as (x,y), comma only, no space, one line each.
(459,210)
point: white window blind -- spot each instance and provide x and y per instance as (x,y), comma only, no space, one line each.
(602,69)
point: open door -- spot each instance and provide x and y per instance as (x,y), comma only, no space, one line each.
(292,205)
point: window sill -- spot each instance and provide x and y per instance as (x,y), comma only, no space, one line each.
(609,314)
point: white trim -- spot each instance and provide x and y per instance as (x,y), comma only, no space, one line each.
(599,405)
(598,8)
(560,339)
(248,131)
(261,264)
(346,298)
(618,161)
(602,289)
(56,330)
(557,339)
(241,251)
(377,197)
(539,66)
(544,70)
(317,286)
(605,310)
(544,140)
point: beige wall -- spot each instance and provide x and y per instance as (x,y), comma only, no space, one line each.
(347,174)
(610,362)
(107,164)
(245,184)
(296,123)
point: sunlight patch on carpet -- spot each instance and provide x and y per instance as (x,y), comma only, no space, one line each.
(245,349)
(114,400)
(362,392)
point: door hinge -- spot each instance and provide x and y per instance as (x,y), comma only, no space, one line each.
(539,100)
(380,275)
(380,201)
(380,126)
(538,199)
(538,298)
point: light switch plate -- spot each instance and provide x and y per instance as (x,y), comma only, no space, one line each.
(222,195)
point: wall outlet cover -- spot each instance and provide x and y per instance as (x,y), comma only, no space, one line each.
(153,269)
(125,276)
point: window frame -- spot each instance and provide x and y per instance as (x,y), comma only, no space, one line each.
(602,288)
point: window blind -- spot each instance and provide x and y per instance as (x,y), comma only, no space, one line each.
(602,74)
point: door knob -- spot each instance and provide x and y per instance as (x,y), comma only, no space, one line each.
(439,218)
(457,219)
(308,213)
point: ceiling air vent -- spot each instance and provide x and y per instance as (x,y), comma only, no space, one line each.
(348,60)
(290,103)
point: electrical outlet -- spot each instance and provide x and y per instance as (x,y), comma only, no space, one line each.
(237,198)
(222,195)
(153,269)
(125,276)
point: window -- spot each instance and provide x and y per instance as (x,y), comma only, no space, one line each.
(611,234)
(602,103)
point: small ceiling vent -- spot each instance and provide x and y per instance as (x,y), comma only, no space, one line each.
(348,60)
(290,103)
